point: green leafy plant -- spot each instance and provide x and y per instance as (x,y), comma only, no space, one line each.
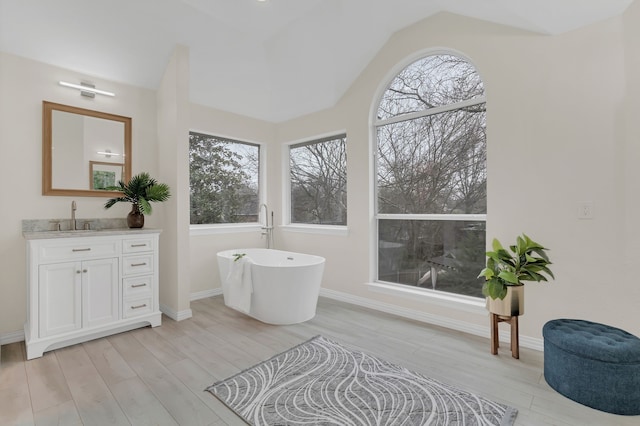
(238,256)
(526,261)
(140,191)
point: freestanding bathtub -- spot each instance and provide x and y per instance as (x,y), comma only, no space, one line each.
(286,285)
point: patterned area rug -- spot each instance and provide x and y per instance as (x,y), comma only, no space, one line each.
(323,383)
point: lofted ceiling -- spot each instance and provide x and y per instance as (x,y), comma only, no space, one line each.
(272,60)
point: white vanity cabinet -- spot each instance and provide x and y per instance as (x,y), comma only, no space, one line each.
(88,285)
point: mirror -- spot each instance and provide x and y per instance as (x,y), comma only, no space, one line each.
(83,151)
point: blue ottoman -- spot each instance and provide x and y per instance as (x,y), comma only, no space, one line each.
(593,364)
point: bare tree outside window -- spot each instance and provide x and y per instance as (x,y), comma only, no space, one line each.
(431,176)
(224,180)
(318,173)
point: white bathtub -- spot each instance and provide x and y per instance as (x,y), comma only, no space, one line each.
(286,285)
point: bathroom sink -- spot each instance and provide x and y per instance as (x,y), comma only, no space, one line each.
(34,229)
(83,233)
(78,231)
(69,233)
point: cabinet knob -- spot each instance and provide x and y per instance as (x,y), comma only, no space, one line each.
(84,270)
(78,271)
(139,306)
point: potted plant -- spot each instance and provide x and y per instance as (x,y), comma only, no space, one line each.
(140,191)
(507,271)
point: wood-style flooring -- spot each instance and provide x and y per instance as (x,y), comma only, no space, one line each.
(156,376)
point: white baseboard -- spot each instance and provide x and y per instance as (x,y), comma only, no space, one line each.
(176,316)
(206,293)
(12,337)
(477,330)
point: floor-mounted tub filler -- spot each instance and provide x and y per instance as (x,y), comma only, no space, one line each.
(284,285)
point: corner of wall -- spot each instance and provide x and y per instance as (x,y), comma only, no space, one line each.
(173,149)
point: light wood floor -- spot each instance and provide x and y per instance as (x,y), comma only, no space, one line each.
(156,376)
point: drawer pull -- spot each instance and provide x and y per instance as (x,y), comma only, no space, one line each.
(82,249)
(144,305)
(138,285)
(138,245)
(139,264)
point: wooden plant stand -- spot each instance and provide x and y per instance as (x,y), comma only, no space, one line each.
(495,340)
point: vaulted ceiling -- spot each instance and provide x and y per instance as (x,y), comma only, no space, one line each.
(273,60)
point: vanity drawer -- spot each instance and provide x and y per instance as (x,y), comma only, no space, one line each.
(138,306)
(137,286)
(137,245)
(76,249)
(135,265)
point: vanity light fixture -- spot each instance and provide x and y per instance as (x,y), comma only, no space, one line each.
(107,153)
(87,89)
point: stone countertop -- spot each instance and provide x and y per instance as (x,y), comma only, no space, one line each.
(36,235)
(37,229)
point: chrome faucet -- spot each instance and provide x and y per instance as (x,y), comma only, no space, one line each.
(72,224)
(266,212)
(266,229)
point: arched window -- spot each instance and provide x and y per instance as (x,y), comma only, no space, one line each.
(430,176)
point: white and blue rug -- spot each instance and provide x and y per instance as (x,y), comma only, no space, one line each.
(321,382)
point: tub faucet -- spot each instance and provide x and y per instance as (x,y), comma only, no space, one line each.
(72,224)
(266,229)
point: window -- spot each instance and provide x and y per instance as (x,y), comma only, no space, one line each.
(318,175)
(224,180)
(431,197)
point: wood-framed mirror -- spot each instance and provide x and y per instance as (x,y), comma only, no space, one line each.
(83,150)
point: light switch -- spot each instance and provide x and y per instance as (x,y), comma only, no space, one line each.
(585,210)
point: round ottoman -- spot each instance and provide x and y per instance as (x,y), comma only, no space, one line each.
(593,364)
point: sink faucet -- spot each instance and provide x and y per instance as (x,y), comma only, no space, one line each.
(72,224)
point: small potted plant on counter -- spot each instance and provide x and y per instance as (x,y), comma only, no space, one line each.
(507,271)
(140,191)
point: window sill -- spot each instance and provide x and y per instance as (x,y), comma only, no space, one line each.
(459,302)
(223,228)
(316,229)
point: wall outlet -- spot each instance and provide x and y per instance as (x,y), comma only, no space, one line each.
(585,210)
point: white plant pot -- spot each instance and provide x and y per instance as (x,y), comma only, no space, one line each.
(512,305)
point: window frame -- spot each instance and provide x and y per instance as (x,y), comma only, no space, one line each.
(311,228)
(448,299)
(229,228)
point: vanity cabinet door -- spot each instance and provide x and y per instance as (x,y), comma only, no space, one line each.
(76,295)
(60,286)
(100,297)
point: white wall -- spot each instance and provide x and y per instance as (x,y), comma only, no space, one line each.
(173,150)
(24,84)
(624,286)
(204,269)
